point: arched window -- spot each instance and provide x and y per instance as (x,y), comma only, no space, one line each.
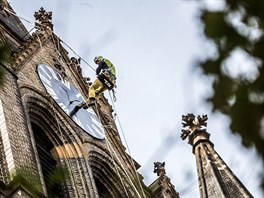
(102,190)
(49,165)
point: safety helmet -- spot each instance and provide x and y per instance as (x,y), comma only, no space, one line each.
(98,59)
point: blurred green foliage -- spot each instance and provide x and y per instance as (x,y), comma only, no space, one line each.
(239,25)
(55,178)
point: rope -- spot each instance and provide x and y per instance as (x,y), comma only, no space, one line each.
(63,140)
(126,173)
(28,32)
(112,158)
(13,13)
(78,55)
(114,96)
(68,162)
(108,146)
(97,111)
(122,131)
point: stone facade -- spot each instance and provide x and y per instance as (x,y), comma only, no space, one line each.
(38,140)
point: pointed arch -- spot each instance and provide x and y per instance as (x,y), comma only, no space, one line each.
(111,181)
(54,139)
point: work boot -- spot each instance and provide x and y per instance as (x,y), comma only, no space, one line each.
(75,110)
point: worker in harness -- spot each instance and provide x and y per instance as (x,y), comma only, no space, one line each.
(106,79)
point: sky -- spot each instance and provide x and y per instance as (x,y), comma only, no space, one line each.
(154,45)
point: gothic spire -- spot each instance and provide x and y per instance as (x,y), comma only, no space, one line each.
(215,178)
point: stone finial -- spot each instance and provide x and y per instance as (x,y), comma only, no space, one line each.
(191,123)
(43,19)
(159,168)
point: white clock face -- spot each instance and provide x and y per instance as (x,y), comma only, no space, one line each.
(67,97)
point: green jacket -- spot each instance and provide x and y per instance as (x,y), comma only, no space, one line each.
(106,65)
(111,66)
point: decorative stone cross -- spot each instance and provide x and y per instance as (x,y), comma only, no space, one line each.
(191,123)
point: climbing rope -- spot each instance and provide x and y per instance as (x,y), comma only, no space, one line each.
(64,141)
(13,13)
(124,137)
(36,22)
(68,162)
(113,160)
(78,55)
(116,168)
(111,149)
(125,171)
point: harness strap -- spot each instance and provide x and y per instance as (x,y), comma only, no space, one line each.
(108,72)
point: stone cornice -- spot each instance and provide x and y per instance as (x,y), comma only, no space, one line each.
(27,50)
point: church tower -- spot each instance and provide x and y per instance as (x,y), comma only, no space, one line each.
(43,151)
(215,177)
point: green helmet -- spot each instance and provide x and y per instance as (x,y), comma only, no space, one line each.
(98,59)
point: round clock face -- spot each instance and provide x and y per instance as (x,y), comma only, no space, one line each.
(67,97)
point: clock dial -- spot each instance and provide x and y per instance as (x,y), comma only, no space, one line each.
(67,97)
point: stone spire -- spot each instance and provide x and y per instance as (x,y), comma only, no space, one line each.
(162,187)
(215,178)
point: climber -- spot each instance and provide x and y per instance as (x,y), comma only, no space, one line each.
(106,79)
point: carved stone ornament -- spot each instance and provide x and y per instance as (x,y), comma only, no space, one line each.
(75,63)
(43,19)
(159,168)
(191,123)
(60,68)
(3,7)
